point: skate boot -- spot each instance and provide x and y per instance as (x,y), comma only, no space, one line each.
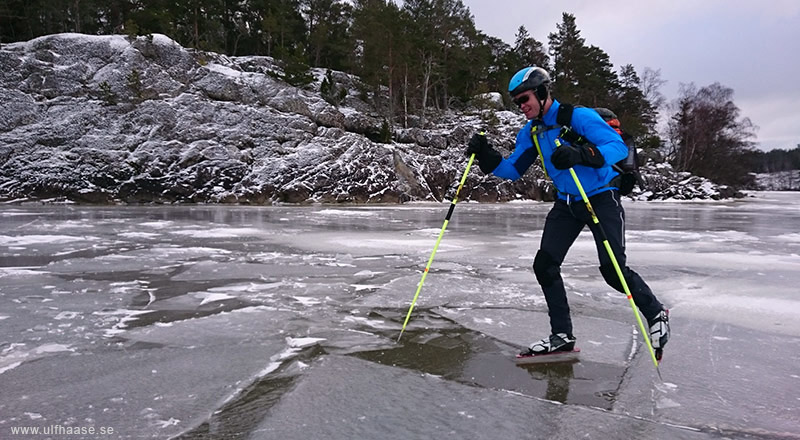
(659,332)
(554,343)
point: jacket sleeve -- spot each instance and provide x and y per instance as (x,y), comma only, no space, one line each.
(513,167)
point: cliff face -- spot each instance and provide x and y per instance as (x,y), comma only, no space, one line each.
(104,119)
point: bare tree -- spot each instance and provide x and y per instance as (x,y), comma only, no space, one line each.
(650,85)
(707,135)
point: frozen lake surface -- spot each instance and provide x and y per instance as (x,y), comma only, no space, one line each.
(282,323)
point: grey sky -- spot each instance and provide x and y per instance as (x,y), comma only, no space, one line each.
(751,47)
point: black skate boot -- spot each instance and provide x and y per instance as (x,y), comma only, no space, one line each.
(559,347)
(554,343)
(659,332)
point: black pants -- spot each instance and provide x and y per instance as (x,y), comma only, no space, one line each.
(564,222)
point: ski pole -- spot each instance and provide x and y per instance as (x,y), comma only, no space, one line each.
(613,258)
(438,240)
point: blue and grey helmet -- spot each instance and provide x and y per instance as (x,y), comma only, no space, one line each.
(530,78)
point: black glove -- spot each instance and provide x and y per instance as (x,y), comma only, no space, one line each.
(567,156)
(488,158)
(477,144)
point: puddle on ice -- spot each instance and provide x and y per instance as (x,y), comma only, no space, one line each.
(475,359)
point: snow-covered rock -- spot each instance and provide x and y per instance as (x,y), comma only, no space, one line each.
(103,119)
(490,100)
(662,182)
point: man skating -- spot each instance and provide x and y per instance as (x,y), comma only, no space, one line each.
(592,161)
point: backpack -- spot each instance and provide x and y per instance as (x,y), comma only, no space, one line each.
(628,168)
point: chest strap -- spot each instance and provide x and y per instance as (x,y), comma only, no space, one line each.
(534,131)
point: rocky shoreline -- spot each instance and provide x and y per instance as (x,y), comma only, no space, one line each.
(115,119)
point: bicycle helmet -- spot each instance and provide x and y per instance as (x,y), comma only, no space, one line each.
(530,78)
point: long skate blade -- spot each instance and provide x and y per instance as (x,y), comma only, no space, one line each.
(558,356)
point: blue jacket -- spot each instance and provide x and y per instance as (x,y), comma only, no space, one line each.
(587,123)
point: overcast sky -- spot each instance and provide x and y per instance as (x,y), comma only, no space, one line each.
(750,46)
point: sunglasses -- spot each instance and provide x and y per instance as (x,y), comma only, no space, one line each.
(518,101)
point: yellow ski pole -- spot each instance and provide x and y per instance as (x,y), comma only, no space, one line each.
(438,240)
(613,258)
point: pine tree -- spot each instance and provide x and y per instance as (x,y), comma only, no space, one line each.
(295,69)
(568,51)
(375,26)
(427,42)
(504,62)
(635,112)
(329,41)
(530,51)
(444,34)
(582,74)
(280,28)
